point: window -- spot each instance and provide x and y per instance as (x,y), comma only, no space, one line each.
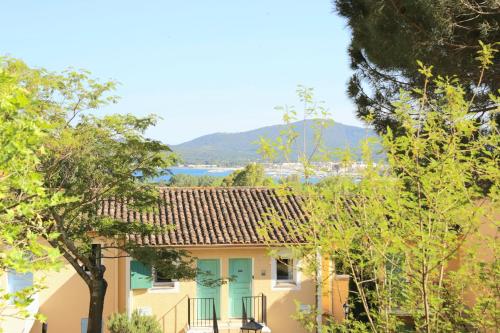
(285,273)
(284,270)
(17,282)
(161,281)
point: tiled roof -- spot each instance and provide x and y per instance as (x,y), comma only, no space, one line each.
(213,216)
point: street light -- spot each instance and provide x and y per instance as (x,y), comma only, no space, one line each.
(251,326)
(346,308)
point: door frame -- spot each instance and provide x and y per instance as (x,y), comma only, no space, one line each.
(219,315)
(252,262)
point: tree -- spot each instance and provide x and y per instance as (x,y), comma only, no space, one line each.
(22,195)
(313,151)
(388,37)
(95,161)
(252,175)
(182,180)
(397,230)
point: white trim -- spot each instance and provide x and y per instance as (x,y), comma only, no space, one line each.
(165,289)
(284,285)
(341,277)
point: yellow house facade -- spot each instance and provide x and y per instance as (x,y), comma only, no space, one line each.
(219,227)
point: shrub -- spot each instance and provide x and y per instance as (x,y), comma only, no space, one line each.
(137,323)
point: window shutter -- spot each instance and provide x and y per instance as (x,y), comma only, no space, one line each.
(84,324)
(140,275)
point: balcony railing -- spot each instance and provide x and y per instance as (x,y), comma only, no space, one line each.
(254,307)
(202,313)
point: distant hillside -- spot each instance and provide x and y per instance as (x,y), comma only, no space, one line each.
(240,148)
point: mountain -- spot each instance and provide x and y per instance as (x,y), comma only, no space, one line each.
(241,148)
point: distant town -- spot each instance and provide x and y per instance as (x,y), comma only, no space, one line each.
(280,170)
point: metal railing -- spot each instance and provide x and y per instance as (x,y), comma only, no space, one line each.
(202,313)
(254,307)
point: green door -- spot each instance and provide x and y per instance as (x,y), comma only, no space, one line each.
(240,270)
(208,286)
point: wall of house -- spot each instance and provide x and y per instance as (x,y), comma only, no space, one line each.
(339,296)
(171,308)
(65,301)
(335,291)
(488,235)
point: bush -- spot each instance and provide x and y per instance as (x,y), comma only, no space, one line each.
(119,323)
(137,323)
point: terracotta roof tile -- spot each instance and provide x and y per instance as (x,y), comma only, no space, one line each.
(213,216)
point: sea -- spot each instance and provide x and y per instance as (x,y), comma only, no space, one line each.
(209,171)
(196,171)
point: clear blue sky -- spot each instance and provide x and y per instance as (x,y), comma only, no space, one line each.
(203,65)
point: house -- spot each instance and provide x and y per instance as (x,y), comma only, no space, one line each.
(220,228)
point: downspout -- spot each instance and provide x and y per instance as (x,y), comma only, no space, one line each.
(116,284)
(128,299)
(319,301)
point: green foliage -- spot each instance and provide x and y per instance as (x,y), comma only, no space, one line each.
(293,178)
(252,175)
(182,180)
(22,194)
(137,323)
(119,323)
(307,318)
(397,230)
(388,37)
(313,146)
(82,162)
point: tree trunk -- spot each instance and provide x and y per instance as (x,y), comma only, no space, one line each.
(319,292)
(97,289)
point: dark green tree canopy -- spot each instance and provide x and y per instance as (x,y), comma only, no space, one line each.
(389,36)
(182,180)
(84,160)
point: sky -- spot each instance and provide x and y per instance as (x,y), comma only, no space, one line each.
(203,66)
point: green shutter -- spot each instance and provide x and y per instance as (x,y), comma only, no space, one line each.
(140,275)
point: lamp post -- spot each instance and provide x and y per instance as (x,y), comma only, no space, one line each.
(346,308)
(251,326)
